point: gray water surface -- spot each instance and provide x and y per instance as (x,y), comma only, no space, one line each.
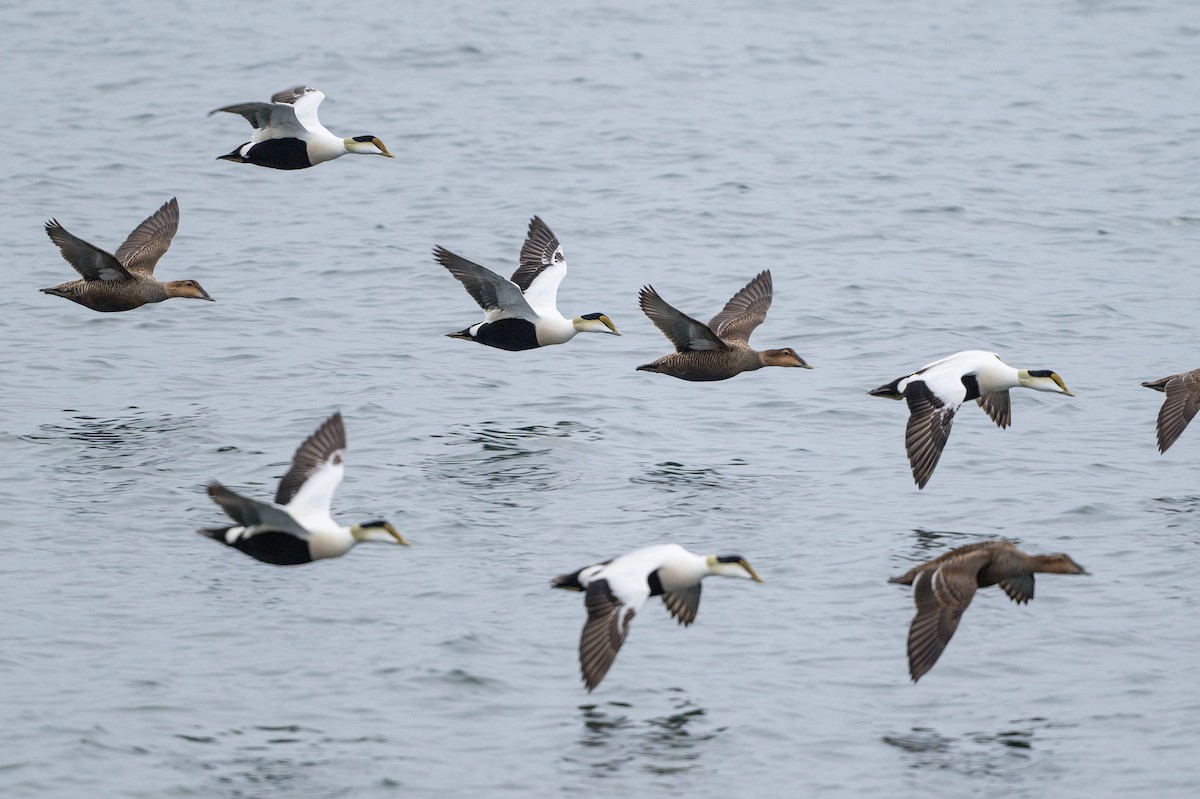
(920,177)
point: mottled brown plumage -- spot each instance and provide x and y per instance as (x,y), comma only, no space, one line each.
(943,588)
(123,281)
(1179,406)
(721,349)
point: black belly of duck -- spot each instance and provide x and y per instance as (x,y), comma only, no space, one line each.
(274,154)
(513,335)
(280,549)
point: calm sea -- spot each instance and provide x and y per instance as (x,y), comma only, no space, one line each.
(920,177)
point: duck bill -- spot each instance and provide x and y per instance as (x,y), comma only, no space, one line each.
(753,574)
(401,540)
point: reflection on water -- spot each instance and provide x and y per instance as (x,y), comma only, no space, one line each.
(672,476)
(1005,753)
(613,737)
(536,457)
(279,759)
(137,438)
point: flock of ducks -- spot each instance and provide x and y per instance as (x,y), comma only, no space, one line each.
(521,313)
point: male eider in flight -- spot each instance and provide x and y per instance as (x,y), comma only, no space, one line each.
(522,313)
(123,281)
(288,135)
(944,586)
(720,349)
(1179,406)
(297,527)
(935,391)
(616,589)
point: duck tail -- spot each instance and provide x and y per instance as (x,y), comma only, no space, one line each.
(463,334)
(215,533)
(890,390)
(57,292)
(647,367)
(569,582)
(1157,385)
(235,156)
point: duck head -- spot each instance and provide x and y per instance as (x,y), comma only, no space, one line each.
(366,145)
(377,531)
(595,323)
(186,288)
(732,566)
(784,357)
(1043,380)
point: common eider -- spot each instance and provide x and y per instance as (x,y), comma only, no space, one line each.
(297,527)
(616,589)
(944,586)
(288,135)
(123,281)
(522,313)
(935,391)
(1179,406)
(720,349)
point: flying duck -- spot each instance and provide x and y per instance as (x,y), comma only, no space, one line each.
(935,391)
(943,587)
(720,349)
(522,313)
(1179,406)
(616,589)
(288,135)
(297,527)
(123,281)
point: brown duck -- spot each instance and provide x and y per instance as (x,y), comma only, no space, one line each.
(720,349)
(1181,403)
(943,587)
(123,281)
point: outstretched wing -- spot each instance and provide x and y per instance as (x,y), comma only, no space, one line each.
(683,331)
(290,114)
(683,604)
(543,266)
(941,595)
(149,240)
(90,261)
(746,310)
(255,516)
(498,296)
(928,428)
(996,405)
(1178,408)
(609,615)
(317,469)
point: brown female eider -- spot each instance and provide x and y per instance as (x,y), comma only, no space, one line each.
(720,349)
(943,587)
(1179,406)
(123,281)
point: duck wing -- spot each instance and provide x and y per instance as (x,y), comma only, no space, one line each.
(317,470)
(941,595)
(996,406)
(543,267)
(1181,403)
(256,517)
(611,604)
(683,604)
(746,310)
(928,429)
(498,296)
(148,241)
(90,261)
(290,114)
(687,334)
